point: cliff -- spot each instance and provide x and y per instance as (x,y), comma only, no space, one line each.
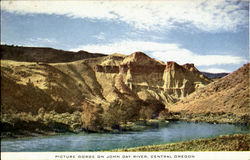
(140,77)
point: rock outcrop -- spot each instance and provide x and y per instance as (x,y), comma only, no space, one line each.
(142,77)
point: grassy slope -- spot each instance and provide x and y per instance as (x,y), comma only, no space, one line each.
(42,54)
(27,87)
(62,87)
(237,142)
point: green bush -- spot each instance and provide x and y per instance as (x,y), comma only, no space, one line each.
(120,112)
(91,117)
(42,121)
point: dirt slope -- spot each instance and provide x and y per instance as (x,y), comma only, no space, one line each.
(228,95)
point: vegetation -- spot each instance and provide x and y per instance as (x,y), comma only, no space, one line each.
(23,123)
(237,142)
(98,118)
(91,117)
(219,117)
(120,112)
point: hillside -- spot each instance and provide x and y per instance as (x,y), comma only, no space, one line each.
(136,86)
(42,54)
(235,142)
(227,98)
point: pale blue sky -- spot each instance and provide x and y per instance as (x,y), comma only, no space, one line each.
(214,35)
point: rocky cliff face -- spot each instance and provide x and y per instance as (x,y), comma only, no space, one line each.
(97,81)
(139,77)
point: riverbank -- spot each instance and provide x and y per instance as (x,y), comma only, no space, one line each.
(36,128)
(32,127)
(237,142)
(219,117)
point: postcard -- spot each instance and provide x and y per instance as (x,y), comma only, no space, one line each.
(112,80)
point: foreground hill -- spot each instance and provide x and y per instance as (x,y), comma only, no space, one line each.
(42,54)
(235,142)
(223,100)
(131,87)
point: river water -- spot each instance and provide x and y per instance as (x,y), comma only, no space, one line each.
(171,132)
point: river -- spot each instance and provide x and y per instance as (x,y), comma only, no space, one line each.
(172,132)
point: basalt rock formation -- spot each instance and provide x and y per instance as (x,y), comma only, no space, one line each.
(97,81)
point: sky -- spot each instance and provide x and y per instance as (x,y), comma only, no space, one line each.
(214,35)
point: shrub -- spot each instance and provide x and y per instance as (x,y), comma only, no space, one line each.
(42,121)
(120,112)
(91,117)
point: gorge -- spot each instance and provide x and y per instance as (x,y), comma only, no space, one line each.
(46,91)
